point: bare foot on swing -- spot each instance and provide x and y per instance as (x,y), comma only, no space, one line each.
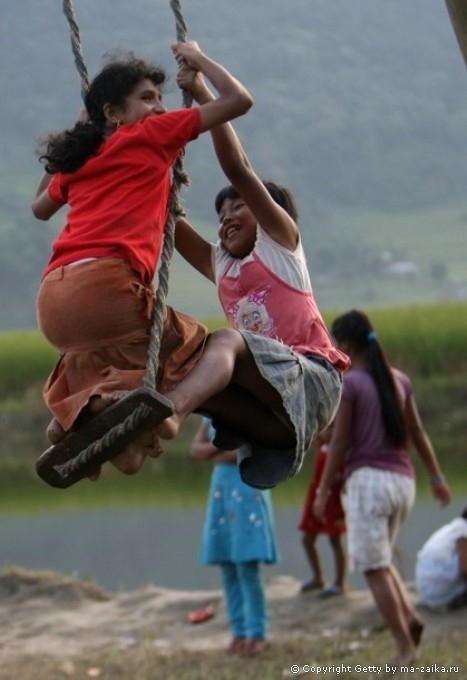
(98,404)
(131,459)
(54,431)
(168,428)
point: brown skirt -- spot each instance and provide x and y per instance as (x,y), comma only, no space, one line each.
(98,315)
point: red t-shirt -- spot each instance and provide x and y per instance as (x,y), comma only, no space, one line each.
(118,199)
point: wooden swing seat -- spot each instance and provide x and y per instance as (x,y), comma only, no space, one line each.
(48,464)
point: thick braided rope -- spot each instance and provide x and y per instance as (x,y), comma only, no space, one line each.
(179,177)
(69,12)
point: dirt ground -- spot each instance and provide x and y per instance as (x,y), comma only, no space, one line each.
(44,612)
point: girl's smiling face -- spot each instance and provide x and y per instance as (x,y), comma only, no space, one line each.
(237,229)
(145,100)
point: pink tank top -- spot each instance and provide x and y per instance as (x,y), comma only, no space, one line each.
(258,300)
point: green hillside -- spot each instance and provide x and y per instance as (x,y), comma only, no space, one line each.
(360,107)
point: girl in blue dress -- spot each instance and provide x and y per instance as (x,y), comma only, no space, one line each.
(238,535)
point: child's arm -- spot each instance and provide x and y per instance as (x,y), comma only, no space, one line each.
(203,449)
(234,99)
(274,220)
(425,450)
(43,207)
(234,162)
(194,248)
(335,456)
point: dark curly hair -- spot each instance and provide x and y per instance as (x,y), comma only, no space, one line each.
(68,150)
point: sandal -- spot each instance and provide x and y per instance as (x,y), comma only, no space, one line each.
(310,585)
(330,591)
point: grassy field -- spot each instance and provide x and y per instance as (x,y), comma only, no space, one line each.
(423,237)
(342,656)
(426,340)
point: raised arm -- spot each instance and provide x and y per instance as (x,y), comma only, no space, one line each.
(194,248)
(203,449)
(234,99)
(235,164)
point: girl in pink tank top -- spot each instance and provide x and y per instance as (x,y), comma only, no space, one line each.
(272,380)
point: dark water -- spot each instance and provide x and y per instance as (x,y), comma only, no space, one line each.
(131,547)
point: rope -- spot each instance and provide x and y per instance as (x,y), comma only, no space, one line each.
(76,45)
(179,177)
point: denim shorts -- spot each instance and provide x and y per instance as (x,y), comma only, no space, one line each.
(310,388)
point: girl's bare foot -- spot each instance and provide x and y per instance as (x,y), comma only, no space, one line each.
(150,443)
(130,460)
(406,658)
(95,475)
(416,632)
(99,403)
(237,645)
(54,432)
(169,427)
(255,646)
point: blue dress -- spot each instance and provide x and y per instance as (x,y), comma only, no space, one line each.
(239,524)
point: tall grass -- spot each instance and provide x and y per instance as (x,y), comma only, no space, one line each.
(426,340)
(429,341)
(25,359)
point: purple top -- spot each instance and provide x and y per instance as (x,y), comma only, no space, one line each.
(369,445)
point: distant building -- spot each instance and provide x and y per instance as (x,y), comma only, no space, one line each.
(402,270)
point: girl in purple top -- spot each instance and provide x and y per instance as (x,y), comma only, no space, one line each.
(376,422)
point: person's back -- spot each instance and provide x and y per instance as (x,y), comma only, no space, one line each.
(370,444)
(96,297)
(378,495)
(441,566)
(118,198)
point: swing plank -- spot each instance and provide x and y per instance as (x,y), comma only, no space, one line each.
(48,464)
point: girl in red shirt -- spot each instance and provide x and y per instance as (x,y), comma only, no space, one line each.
(96,296)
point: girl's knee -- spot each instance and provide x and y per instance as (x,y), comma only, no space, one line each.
(227,337)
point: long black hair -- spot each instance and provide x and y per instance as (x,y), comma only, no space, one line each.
(68,150)
(281,195)
(355,327)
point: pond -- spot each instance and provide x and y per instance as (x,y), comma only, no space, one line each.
(126,548)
